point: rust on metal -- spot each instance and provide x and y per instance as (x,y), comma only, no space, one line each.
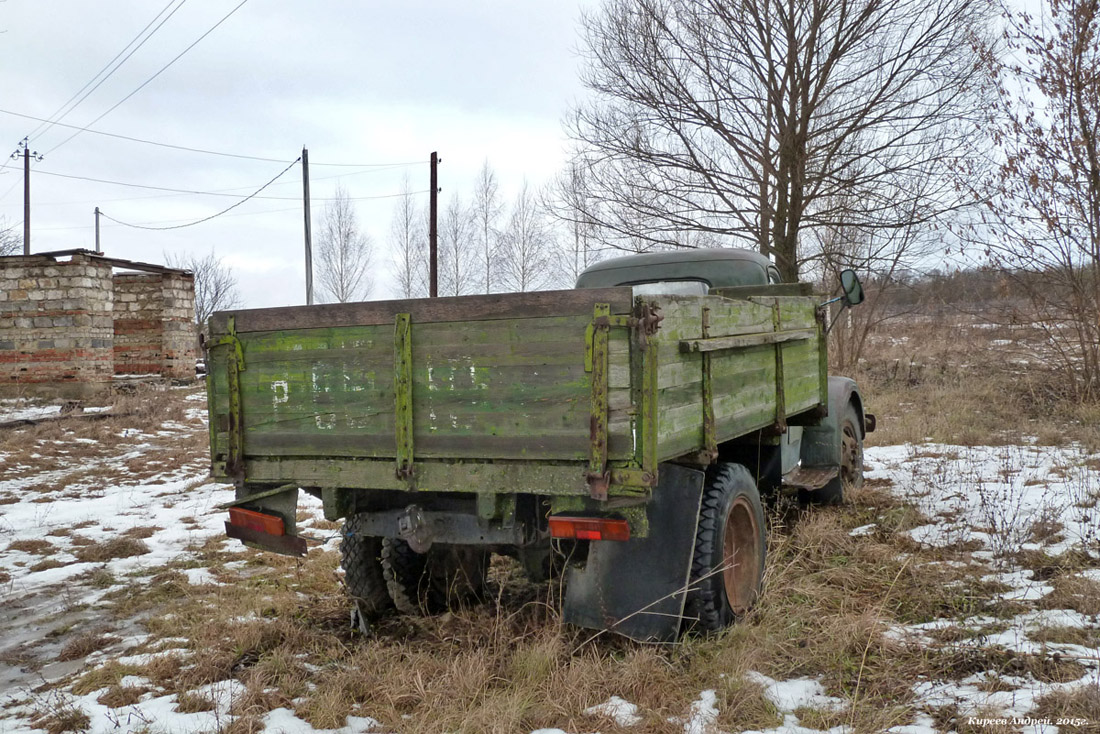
(710,427)
(780,425)
(597,475)
(403,389)
(234,463)
(810,477)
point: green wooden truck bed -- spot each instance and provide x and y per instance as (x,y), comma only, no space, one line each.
(579,392)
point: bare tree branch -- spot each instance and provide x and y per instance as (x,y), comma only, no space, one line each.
(409,241)
(757,120)
(215,284)
(343,252)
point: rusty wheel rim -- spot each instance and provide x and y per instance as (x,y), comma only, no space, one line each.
(850,459)
(741,556)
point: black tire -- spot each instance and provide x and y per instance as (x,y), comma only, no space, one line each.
(728,563)
(429,583)
(361,559)
(851,463)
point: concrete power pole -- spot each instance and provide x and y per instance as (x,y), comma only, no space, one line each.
(309,237)
(25,151)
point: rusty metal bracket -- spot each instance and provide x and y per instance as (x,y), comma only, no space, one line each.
(710,428)
(780,425)
(597,475)
(234,463)
(403,397)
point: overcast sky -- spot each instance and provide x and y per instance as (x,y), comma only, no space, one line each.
(382,82)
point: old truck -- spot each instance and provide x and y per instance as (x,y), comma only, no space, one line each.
(620,433)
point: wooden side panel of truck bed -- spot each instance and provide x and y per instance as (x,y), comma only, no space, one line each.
(494,378)
(505,390)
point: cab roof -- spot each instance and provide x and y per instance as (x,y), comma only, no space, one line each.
(717,267)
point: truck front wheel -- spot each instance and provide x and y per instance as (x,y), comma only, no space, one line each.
(851,462)
(429,583)
(728,562)
(361,559)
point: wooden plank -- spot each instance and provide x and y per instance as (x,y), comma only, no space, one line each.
(426,310)
(734,342)
(774,289)
(732,318)
(432,476)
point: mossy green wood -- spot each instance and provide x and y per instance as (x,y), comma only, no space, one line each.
(491,390)
(504,404)
(743,379)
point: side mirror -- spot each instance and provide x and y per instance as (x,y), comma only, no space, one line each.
(853,289)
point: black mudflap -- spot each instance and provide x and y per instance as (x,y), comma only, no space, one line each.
(637,588)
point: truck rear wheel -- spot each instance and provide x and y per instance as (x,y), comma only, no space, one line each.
(429,583)
(728,562)
(361,559)
(851,463)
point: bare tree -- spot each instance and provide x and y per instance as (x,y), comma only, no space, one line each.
(343,252)
(457,257)
(758,119)
(883,258)
(215,284)
(487,209)
(11,240)
(409,242)
(527,245)
(1041,224)
(568,200)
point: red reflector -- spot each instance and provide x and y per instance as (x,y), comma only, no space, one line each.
(589,528)
(257,521)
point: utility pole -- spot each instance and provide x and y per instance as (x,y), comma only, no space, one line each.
(309,237)
(433,230)
(25,151)
(98,249)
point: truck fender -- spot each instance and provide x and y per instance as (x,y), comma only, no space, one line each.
(637,588)
(821,443)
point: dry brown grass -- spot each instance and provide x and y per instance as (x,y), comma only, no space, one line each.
(107,550)
(37,547)
(1081,704)
(85,644)
(1074,592)
(280,627)
(119,696)
(73,449)
(949,381)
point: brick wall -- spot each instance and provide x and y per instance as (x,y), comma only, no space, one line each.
(154,331)
(56,326)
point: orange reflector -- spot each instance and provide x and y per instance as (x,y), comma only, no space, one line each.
(589,528)
(258,521)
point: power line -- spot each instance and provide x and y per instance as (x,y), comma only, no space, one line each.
(48,123)
(212,216)
(215,191)
(87,129)
(202,193)
(147,81)
(281,210)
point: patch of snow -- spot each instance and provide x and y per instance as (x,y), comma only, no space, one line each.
(702,716)
(790,695)
(863,530)
(200,576)
(283,721)
(621,712)
(924,724)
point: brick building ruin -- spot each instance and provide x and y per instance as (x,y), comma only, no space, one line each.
(69,326)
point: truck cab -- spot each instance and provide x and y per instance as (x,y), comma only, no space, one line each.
(710,268)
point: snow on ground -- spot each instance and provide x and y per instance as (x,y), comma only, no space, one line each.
(1000,496)
(995,500)
(1001,500)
